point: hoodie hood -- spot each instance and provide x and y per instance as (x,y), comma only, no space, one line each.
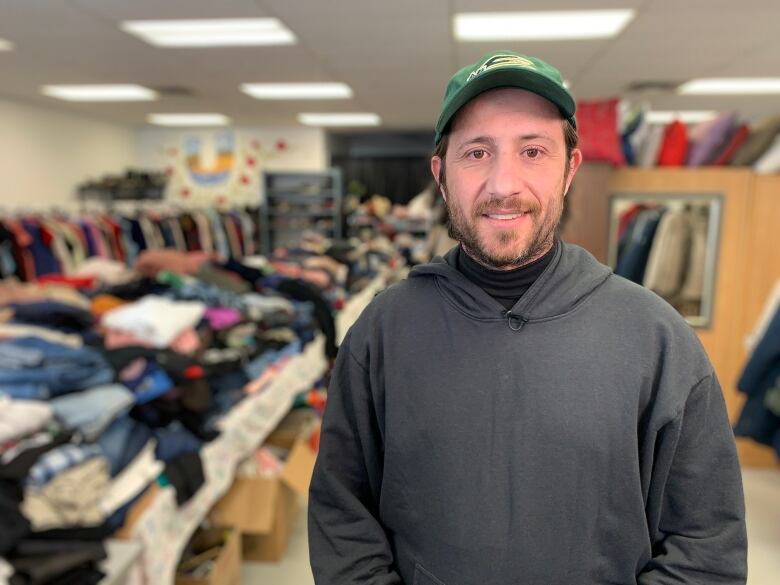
(572,276)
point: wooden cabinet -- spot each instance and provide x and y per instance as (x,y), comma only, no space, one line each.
(748,255)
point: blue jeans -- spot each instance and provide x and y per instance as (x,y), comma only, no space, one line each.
(61,369)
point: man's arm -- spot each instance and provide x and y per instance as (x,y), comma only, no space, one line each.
(347,542)
(700,528)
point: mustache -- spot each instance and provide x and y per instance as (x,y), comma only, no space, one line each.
(506,205)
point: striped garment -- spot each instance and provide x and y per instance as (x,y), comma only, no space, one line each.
(53,463)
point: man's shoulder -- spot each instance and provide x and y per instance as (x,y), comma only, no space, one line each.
(397,296)
(641,307)
(389,307)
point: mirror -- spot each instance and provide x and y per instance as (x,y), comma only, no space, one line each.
(668,243)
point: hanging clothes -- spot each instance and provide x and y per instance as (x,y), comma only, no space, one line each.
(54,244)
(632,262)
(668,258)
(759,418)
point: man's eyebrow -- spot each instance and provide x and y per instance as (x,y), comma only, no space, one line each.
(476,140)
(541,136)
(491,142)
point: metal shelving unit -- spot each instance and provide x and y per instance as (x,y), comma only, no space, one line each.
(295,202)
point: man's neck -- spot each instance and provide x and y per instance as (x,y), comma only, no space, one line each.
(506,286)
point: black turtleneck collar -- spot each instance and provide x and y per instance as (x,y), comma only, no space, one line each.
(506,286)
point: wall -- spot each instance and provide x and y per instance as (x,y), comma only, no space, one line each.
(45,154)
(586,218)
(218,166)
(762,272)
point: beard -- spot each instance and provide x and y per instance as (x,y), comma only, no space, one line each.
(510,248)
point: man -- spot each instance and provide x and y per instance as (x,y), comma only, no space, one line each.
(514,413)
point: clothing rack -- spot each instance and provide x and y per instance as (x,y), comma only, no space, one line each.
(36,243)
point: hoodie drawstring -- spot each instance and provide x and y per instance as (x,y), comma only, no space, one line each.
(515,322)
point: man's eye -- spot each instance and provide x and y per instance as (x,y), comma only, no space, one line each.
(478,154)
(532,152)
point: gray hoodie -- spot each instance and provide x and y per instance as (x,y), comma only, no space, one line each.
(579,438)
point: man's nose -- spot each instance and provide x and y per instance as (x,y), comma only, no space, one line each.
(506,177)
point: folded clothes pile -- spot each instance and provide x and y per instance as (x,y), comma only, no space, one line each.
(108,389)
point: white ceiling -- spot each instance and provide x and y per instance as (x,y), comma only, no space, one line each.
(397,55)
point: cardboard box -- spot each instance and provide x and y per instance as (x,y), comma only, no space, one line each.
(225,553)
(263,510)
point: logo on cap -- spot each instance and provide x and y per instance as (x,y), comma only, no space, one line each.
(501,61)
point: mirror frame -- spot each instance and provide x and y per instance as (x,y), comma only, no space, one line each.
(716,204)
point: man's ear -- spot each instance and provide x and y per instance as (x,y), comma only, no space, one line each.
(435,170)
(574,163)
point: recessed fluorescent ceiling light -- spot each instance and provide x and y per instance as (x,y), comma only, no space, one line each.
(687,117)
(297,91)
(759,85)
(339,119)
(188,119)
(540,26)
(6,45)
(223,32)
(99,93)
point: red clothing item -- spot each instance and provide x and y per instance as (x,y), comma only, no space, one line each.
(22,255)
(674,147)
(46,235)
(240,233)
(113,232)
(628,216)
(597,125)
(77,282)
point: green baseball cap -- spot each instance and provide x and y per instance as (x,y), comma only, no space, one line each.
(504,69)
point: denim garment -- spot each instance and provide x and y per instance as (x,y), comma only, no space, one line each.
(195,290)
(63,369)
(152,383)
(760,375)
(13,357)
(228,381)
(25,391)
(760,371)
(257,366)
(757,422)
(122,441)
(175,441)
(58,460)
(91,411)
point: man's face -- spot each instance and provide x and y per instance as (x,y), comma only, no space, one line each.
(506,177)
